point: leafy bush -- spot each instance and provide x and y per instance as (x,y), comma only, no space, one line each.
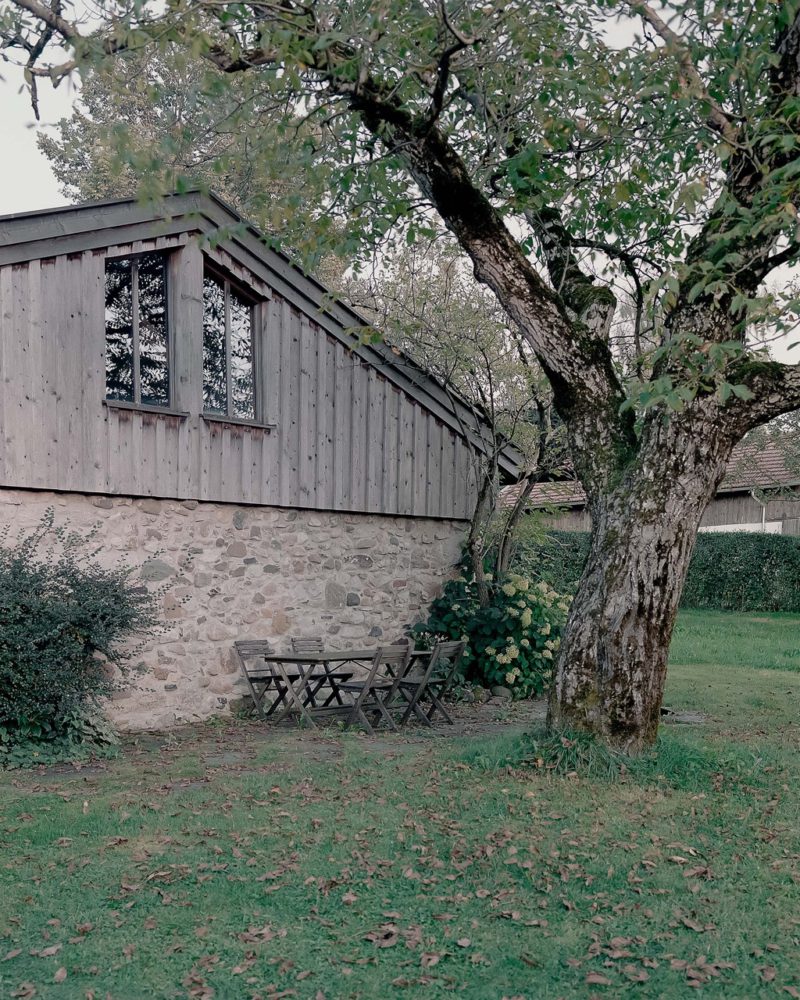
(558,559)
(740,571)
(64,622)
(730,571)
(512,642)
(81,735)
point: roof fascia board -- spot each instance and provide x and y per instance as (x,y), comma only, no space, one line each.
(97,240)
(20,233)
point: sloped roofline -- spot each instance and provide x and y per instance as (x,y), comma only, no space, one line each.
(76,228)
(750,467)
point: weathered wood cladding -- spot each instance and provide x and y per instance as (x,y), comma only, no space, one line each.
(725,510)
(344,436)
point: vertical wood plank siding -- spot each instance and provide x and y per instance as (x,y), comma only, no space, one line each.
(344,438)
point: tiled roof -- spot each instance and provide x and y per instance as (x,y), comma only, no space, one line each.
(751,467)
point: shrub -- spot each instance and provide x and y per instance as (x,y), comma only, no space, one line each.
(743,571)
(64,622)
(512,642)
(558,559)
(730,571)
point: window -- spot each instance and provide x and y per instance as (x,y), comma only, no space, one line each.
(137,338)
(228,365)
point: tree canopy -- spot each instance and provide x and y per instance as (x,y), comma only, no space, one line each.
(578,154)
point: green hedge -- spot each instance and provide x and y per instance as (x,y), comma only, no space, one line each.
(730,571)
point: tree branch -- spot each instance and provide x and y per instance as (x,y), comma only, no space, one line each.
(775,390)
(689,77)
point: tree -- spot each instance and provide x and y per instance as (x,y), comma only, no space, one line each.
(424,301)
(537,142)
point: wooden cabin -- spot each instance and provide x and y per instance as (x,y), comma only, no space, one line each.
(168,377)
(760,493)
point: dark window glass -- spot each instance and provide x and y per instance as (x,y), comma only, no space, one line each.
(119,330)
(241,315)
(228,365)
(153,349)
(215,370)
(137,340)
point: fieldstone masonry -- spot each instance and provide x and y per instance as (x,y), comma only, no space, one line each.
(245,573)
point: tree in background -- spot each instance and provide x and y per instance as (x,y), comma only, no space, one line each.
(158,121)
(425,301)
(537,139)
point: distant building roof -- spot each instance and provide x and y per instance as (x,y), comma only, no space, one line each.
(751,466)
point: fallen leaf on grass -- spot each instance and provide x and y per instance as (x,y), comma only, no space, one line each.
(463,942)
(429,959)
(54,949)
(635,974)
(699,871)
(384,937)
(695,925)
(11,954)
(24,991)
(597,979)
(60,975)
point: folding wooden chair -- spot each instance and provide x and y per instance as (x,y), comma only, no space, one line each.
(426,692)
(261,679)
(372,695)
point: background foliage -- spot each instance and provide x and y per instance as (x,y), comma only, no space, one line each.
(512,641)
(730,571)
(64,624)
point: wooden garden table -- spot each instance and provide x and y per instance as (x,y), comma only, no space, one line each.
(299,689)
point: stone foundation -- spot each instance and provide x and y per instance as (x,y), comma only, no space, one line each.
(249,573)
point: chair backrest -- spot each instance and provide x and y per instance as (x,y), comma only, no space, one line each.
(306,645)
(253,647)
(444,662)
(449,652)
(394,657)
(247,650)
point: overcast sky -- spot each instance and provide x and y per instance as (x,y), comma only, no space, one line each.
(27,181)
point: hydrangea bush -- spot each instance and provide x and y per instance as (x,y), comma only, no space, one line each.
(512,642)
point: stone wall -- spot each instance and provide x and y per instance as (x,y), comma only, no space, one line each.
(245,573)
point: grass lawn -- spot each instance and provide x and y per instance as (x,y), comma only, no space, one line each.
(230,863)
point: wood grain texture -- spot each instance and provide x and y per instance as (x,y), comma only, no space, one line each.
(345,437)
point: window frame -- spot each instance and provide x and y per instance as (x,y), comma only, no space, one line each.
(169,329)
(216,273)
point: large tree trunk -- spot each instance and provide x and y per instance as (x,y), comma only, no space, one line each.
(612,666)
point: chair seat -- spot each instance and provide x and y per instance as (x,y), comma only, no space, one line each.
(358,685)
